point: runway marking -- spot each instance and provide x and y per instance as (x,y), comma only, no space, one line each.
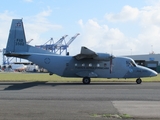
(139,109)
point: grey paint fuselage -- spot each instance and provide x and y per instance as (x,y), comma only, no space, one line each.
(68,66)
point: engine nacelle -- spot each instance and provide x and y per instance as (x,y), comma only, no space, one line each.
(103,56)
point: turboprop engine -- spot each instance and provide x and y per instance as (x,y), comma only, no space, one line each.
(103,56)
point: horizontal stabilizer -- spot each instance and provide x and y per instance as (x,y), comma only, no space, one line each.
(17,54)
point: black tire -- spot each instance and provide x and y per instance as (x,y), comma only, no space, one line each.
(86,80)
(138,81)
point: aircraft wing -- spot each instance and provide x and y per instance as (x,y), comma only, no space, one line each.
(89,54)
(86,53)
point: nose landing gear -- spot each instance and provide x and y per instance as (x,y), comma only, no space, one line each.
(86,80)
(138,81)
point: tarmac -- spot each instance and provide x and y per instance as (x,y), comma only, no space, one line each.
(66,101)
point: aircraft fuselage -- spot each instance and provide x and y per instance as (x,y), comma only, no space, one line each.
(67,66)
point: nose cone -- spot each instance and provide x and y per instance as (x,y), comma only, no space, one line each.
(153,73)
(146,72)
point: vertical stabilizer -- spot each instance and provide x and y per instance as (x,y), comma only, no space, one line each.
(16,39)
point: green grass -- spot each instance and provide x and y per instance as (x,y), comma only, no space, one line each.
(120,116)
(54,78)
(16,76)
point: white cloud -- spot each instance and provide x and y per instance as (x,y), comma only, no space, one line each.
(34,27)
(45,13)
(127,13)
(80,22)
(95,35)
(150,28)
(147,19)
(150,15)
(28,0)
(38,25)
(103,38)
(100,38)
(5,22)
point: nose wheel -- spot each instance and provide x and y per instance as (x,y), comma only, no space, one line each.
(86,80)
(138,81)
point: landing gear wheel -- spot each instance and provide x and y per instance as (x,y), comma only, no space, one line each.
(86,80)
(139,81)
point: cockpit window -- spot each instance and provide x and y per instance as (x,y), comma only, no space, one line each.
(133,63)
(130,63)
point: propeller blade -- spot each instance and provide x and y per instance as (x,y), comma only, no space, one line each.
(111,58)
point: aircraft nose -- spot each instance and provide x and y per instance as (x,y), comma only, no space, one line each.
(153,73)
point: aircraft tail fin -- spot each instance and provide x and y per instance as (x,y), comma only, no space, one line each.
(16,40)
(16,45)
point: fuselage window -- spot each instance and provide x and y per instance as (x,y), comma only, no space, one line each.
(133,63)
(90,64)
(83,65)
(105,64)
(130,63)
(76,64)
(98,65)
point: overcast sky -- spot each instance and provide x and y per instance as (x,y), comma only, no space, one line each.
(120,27)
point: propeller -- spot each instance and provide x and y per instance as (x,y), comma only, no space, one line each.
(111,63)
(111,60)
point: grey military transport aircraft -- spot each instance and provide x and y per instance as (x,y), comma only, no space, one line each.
(88,64)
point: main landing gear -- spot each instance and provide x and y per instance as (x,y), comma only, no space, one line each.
(138,81)
(86,80)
